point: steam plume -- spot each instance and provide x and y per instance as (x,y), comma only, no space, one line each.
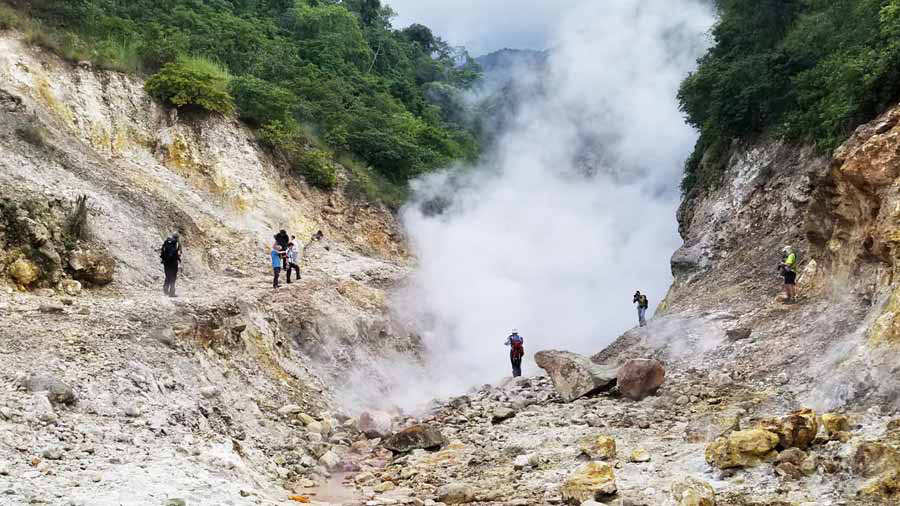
(572,213)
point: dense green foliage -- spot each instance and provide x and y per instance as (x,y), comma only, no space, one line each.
(319,71)
(804,70)
(192,82)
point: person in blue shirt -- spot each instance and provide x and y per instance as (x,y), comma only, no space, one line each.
(276,263)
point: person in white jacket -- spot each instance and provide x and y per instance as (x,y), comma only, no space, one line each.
(293,259)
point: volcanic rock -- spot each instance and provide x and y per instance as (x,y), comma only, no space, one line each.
(421,436)
(593,480)
(743,448)
(573,375)
(640,377)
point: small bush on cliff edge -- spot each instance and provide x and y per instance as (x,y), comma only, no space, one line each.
(317,168)
(192,82)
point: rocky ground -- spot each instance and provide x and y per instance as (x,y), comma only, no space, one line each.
(237,394)
(698,441)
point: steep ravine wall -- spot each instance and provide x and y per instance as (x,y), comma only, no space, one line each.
(841,213)
(207,387)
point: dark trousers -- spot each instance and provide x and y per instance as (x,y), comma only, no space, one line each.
(171,271)
(277,275)
(516,365)
(292,266)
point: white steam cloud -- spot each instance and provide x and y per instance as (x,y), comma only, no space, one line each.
(575,210)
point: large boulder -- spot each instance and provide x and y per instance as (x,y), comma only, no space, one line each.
(375,424)
(640,377)
(57,391)
(796,430)
(417,437)
(693,492)
(592,481)
(92,267)
(743,448)
(573,375)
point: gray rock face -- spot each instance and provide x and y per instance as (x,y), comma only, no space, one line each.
(375,424)
(502,413)
(92,267)
(330,460)
(289,409)
(640,377)
(424,437)
(738,334)
(52,453)
(573,375)
(57,391)
(42,410)
(455,493)
(52,308)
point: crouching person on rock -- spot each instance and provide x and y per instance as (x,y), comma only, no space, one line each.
(516,352)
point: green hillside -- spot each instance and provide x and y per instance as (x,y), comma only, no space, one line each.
(318,78)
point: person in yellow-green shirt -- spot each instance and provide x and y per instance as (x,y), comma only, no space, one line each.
(788,270)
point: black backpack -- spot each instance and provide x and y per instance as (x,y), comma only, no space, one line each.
(169,251)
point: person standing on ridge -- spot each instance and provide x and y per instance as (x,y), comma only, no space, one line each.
(291,260)
(788,269)
(170,256)
(276,263)
(641,300)
(516,352)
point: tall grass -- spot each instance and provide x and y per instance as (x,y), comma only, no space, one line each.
(110,54)
(120,55)
(205,65)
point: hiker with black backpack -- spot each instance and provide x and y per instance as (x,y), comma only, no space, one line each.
(170,255)
(516,352)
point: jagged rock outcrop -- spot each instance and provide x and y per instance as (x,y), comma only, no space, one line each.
(189,386)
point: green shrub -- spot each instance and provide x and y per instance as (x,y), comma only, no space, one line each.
(9,18)
(279,134)
(317,168)
(192,82)
(260,102)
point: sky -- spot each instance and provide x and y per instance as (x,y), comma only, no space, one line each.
(528,238)
(484,26)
